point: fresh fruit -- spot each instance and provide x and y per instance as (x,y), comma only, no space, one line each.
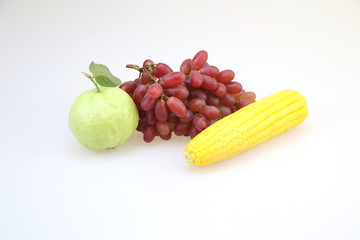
(198,95)
(104,117)
(247,128)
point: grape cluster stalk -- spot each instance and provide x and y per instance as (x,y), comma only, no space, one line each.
(183,102)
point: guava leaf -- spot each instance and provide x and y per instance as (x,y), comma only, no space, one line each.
(103,76)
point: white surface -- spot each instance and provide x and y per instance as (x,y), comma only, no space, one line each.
(303,184)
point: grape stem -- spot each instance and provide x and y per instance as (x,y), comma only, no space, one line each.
(93,80)
(136,67)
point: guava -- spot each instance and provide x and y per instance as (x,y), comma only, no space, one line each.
(102,118)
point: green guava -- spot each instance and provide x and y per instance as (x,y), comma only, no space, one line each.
(105,119)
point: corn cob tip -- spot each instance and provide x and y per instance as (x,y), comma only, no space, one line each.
(188,157)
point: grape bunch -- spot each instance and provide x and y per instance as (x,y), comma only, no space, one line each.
(183,102)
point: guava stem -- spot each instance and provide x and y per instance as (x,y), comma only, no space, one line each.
(93,80)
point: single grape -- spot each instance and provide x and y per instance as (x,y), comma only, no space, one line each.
(199,59)
(145,78)
(181,128)
(161,69)
(176,106)
(198,93)
(210,112)
(225,76)
(237,96)
(161,111)
(248,96)
(128,87)
(188,83)
(179,91)
(199,122)
(163,128)
(209,83)
(139,94)
(138,81)
(148,102)
(196,79)
(149,133)
(227,100)
(185,66)
(141,112)
(242,103)
(142,124)
(172,118)
(150,117)
(149,65)
(188,117)
(212,100)
(224,110)
(165,137)
(155,90)
(172,79)
(233,87)
(220,90)
(193,132)
(209,70)
(196,104)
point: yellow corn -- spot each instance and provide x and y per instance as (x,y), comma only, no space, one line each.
(247,127)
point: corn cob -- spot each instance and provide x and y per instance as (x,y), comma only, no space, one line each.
(247,127)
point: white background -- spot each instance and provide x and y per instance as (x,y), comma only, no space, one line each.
(304,184)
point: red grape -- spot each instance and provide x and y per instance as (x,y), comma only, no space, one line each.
(212,100)
(198,93)
(176,106)
(195,78)
(199,122)
(209,83)
(224,111)
(147,63)
(188,117)
(172,79)
(186,66)
(196,104)
(242,103)
(142,124)
(163,128)
(210,112)
(145,78)
(227,100)
(248,96)
(181,128)
(220,90)
(150,117)
(233,87)
(179,91)
(209,70)
(149,133)
(138,82)
(172,118)
(139,94)
(155,90)
(193,132)
(148,103)
(199,59)
(165,137)
(225,76)
(161,111)
(161,69)
(128,87)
